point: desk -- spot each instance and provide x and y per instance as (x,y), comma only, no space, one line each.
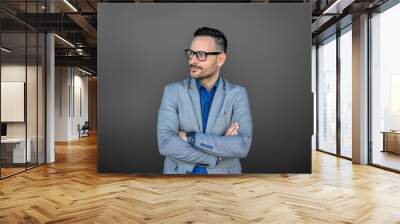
(391,141)
(15,148)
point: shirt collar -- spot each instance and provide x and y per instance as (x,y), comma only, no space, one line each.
(199,86)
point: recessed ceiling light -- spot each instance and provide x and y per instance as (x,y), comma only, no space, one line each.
(337,6)
(5,50)
(70,5)
(84,71)
(64,40)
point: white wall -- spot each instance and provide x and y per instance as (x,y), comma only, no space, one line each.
(62,81)
(12,73)
(17,73)
(71,86)
(80,103)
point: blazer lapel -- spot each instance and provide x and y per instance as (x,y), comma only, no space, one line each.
(216,105)
(195,98)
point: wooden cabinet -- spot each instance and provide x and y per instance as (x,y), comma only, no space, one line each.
(391,142)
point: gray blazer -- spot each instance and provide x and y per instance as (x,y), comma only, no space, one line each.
(180,110)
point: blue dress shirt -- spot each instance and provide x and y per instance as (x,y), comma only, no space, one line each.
(206,98)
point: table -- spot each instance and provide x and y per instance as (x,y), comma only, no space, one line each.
(13,150)
(391,141)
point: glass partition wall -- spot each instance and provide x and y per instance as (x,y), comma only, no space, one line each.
(22,88)
(345,65)
(385,89)
(327,95)
(334,94)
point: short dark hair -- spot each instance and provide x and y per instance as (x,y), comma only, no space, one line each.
(219,37)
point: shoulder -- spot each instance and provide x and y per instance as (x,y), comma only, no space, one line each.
(234,89)
(176,86)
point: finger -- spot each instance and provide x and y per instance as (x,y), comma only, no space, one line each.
(229,132)
(235,127)
(232,124)
(230,129)
(234,130)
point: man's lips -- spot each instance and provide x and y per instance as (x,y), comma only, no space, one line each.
(195,68)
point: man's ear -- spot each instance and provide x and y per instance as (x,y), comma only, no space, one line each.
(221,59)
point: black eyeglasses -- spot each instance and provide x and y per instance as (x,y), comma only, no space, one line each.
(200,55)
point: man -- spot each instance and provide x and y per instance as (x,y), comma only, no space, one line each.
(204,122)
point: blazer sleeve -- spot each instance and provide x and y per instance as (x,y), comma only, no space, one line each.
(169,142)
(230,146)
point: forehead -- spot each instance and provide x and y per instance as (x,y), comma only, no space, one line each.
(203,43)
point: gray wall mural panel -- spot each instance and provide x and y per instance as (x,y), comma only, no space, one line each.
(141,49)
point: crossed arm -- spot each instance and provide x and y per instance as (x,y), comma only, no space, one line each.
(206,148)
(169,143)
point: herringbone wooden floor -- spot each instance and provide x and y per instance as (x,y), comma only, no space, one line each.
(71,191)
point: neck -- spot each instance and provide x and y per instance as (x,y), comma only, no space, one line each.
(209,81)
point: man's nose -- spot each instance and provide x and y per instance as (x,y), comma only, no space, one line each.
(193,60)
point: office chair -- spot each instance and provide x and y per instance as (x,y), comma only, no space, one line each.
(84,130)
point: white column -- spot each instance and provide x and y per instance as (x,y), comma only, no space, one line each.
(50,91)
(360,90)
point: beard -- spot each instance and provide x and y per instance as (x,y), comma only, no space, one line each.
(199,74)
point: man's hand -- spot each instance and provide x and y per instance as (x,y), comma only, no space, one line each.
(183,136)
(233,130)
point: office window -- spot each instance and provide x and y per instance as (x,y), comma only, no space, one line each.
(385,88)
(327,95)
(346,92)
